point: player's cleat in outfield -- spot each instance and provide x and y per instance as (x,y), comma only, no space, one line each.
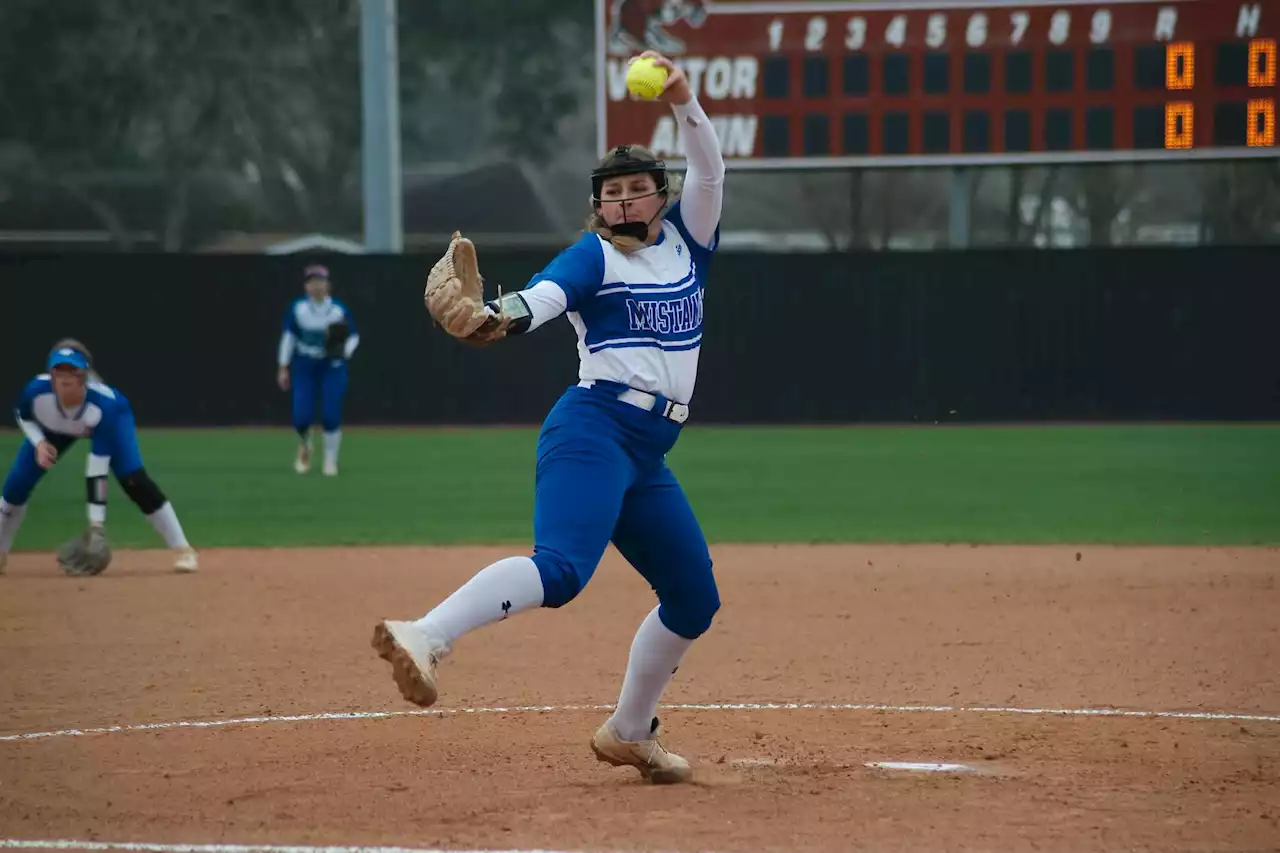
(653,760)
(186,561)
(330,468)
(302,464)
(413,658)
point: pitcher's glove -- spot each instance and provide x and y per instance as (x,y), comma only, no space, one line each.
(86,555)
(455,296)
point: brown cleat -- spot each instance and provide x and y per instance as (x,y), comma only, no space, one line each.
(653,761)
(413,658)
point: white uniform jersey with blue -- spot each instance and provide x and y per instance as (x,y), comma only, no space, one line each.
(40,414)
(306,324)
(638,315)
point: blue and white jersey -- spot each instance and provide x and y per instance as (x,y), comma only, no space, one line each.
(41,417)
(305,325)
(638,315)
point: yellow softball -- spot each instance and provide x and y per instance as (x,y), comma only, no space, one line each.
(645,78)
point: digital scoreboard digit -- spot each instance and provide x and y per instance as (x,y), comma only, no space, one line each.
(822,83)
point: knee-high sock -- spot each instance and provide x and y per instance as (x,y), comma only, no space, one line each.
(656,653)
(166,523)
(332,441)
(11,516)
(502,589)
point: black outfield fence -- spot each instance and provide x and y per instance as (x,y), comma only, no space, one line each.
(1000,335)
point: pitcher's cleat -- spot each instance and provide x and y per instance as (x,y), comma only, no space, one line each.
(302,464)
(186,561)
(653,761)
(4,561)
(413,658)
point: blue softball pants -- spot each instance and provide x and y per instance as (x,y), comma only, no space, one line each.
(120,442)
(601,477)
(326,377)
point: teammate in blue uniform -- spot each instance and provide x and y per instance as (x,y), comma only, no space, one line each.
(632,288)
(318,340)
(68,403)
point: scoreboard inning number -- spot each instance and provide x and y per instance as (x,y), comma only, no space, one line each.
(977,30)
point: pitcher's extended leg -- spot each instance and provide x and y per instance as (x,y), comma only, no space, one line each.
(578,493)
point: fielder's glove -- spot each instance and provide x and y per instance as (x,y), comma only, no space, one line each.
(335,339)
(86,555)
(455,296)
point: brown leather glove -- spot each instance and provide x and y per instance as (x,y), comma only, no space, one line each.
(86,555)
(455,296)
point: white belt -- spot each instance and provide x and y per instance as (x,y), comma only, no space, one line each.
(672,411)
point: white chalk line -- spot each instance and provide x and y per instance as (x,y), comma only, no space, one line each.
(732,706)
(144,847)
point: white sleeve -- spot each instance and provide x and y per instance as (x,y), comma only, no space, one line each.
(546,301)
(31,430)
(286,349)
(702,197)
(350,346)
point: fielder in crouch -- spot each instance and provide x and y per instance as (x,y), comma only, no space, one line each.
(632,288)
(68,403)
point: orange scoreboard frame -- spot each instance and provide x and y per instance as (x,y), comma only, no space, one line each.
(838,83)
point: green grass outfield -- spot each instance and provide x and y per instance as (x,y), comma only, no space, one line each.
(1175,484)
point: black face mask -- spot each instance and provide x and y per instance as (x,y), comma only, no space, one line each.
(635,228)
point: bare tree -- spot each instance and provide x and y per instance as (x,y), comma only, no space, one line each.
(1241,202)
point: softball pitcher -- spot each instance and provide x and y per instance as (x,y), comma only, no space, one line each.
(632,288)
(57,408)
(318,340)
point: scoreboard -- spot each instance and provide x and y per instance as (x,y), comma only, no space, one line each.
(832,83)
